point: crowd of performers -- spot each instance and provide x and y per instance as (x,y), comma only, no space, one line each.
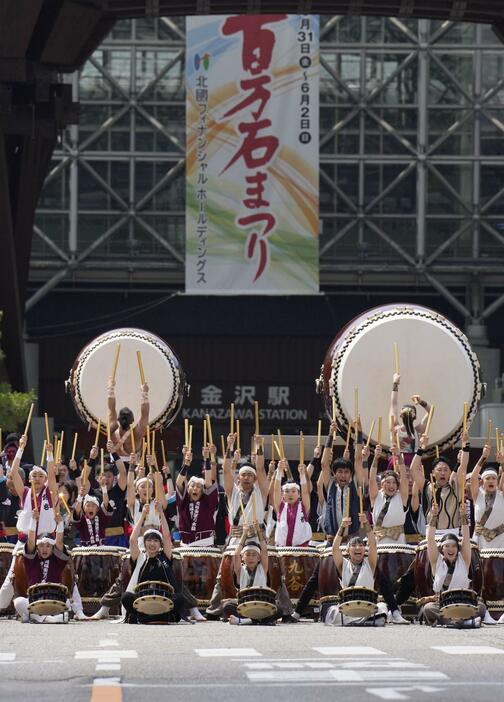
(351,506)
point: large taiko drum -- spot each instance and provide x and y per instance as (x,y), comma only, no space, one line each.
(199,569)
(96,568)
(362,356)
(329,581)
(492,560)
(297,564)
(394,560)
(423,575)
(93,366)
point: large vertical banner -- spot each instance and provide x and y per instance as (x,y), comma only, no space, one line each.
(252,212)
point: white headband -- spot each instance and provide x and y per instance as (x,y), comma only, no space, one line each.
(140,481)
(195,479)
(37,469)
(247,469)
(489,471)
(44,539)
(291,486)
(251,547)
(90,498)
(153,532)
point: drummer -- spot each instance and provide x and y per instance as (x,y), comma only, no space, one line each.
(448,485)
(488,505)
(450,562)
(121,425)
(90,517)
(341,479)
(197,501)
(250,570)
(116,484)
(43,484)
(152,564)
(247,497)
(44,561)
(142,491)
(292,505)
(405,421)
(356,570)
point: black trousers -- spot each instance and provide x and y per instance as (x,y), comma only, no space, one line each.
(134,617)
(308,591)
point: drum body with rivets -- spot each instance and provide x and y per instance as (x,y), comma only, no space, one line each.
(435,361)
(94,365)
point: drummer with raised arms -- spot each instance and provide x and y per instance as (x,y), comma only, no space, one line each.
(292,505)
(122,424)
(246,497)
(447,484)
(405,421)
(356,570)
(151,563)
(197,501)
(44,560)
(250,570)
(450,562)
(142,490)
(488,504)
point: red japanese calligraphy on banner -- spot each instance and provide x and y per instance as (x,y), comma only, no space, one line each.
(263,168)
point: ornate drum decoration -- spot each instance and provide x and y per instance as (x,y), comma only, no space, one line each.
(435,360)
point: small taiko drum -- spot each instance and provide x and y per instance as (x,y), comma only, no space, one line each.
(358,601)
(199,569)
(361,355)
(153,597)
(297,564)
(423,575)
(87,383)
(96,568)
(256,602)
(492,560)
(47,598)
(6,551)
(458,604)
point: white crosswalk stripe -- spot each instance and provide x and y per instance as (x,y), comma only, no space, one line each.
(227,652)
(469,650)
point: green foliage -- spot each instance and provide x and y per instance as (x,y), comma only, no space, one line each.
(14,406)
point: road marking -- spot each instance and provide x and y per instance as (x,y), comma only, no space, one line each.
(363,676)
(471,650)
(80,655)
(106,690)
(108,642)
(348,651)
(222,652)
(397,693)
(7,657)
(107,666)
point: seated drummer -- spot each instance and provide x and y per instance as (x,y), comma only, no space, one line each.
(153,563)
(449,562)
(90,517)
(44,560)
(292,505)
(197,501)
(356,570)
(122,424)
(448,484)
(250,570)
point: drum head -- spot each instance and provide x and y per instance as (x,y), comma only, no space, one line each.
(458,611)
(45,607)
(358,608)
(94,365)
(256,609)
(153,604)
(430,348)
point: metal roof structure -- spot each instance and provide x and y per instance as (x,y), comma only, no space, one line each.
(42,39)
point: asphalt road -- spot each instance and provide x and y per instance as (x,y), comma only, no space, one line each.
(102,661)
